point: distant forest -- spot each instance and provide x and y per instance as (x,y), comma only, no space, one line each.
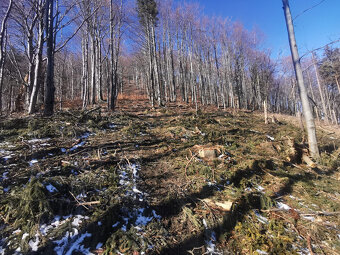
(80,53)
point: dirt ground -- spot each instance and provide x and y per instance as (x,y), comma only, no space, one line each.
(166,181)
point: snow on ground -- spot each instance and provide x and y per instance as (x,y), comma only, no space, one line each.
(51,188)
(210,240)
(72,242)
(34,243)
(4,176)
(39,142)
(283,206)
(261,252)
(270,137)
(140,215)
(310,218)
(81,144)
(32,162)
(259,188)
(78,220)
(261,218)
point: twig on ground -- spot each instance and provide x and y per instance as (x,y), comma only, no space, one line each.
(187,165)
(196,248)
(309,244)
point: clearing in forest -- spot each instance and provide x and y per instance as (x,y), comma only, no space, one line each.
(166,181)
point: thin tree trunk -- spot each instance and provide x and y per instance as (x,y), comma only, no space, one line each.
(50,89)
(311,130)
(265,112)
(37,71)
(320,89)
(3,38)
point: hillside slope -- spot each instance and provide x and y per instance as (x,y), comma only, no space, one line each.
(165,181)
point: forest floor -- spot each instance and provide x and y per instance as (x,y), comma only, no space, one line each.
(166,181)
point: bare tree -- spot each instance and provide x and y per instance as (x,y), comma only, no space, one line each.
(311,130)
(3,39)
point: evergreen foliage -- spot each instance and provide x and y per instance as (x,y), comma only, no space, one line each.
(147,12)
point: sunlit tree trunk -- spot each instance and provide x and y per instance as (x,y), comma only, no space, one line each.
(3,38)
(49,86)
(318,79)
(311,130)
(38,63)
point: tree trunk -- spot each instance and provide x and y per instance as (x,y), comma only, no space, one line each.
(323,103)
(37,71)
(50,89)
(3,37)
(311,130)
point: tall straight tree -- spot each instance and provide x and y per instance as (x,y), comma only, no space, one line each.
(147,12)
(116,22)
(49,89)
(307,111)
(2,47)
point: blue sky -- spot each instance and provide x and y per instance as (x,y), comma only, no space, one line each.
(313,29)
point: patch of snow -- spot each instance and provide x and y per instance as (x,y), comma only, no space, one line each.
(44,229)
(80,248)
(32,162)
(99,245)
(78,220)
(44,140)
(6,189)
(15,232)
(283,206)
(270,137)
(34,244)
(261,252)
(4,176)
(24,236)
(85,136)
(136,190)
(82,143)
(99,223)
(112,125)
(51,188)
(142,220)
(116,224)
(261,218)
(310,218)
(259,188)
(81,195)
(123,228)
(304,251)
(72,241)
(8,157)
(158,217)
(210,240)
(63,150)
